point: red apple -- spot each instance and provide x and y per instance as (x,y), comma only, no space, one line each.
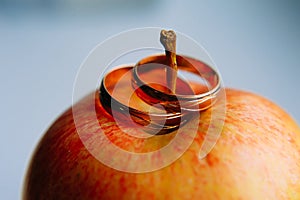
(256,157)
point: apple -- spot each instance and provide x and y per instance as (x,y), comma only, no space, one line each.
(256,157)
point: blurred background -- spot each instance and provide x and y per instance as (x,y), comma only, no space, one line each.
(255,45)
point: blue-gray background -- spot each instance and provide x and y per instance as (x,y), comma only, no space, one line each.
(255,45)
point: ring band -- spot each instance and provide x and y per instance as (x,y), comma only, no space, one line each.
(189,102)
(158,123)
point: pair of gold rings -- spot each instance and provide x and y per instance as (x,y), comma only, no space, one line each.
(140,92)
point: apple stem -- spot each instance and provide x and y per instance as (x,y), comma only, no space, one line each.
(168,40)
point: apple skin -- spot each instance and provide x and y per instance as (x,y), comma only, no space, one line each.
(256,157)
